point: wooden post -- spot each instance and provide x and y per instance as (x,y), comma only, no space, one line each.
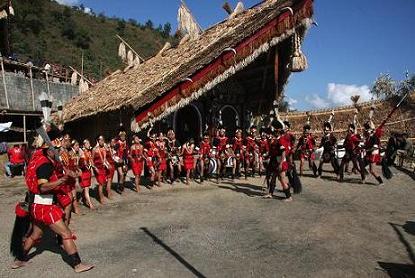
(47,82)
(4,82)
(31,88)
(24,129)
(276,76)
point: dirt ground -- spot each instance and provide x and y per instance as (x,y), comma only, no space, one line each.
(228,230)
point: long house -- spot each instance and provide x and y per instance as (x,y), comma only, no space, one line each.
(232,71)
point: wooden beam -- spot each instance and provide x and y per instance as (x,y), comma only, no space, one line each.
(24,129)
(276,75)
(4,81)
(31,88)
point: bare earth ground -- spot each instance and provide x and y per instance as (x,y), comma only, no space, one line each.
(228,230)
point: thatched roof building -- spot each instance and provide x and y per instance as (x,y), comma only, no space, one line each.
(182,74)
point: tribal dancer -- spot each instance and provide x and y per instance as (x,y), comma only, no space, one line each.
(75,155)
(372,147)
(121,159)
(162,153)
(137,161)
(328,143)
(85,165)
(263,150)
(68,163)
(306,147)
(151,157)
(188,159)
(351,146)
(251,153)
(238,149)
(173,149)
(278,164)
(204,156)
(231,160)
(288,140)
(101,166)
(44,209)
(220,143)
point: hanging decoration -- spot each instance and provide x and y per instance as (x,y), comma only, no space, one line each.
(74,78)
(298,61)
(122,52)
(130,58)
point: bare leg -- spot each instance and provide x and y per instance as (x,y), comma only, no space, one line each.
(121,179)
(108,187)
(68,212)
(30,241)
(88,198)
(101,194)
(137,183)
(285,186)
(301,166)
(75,202)
(69,245)
(188,176)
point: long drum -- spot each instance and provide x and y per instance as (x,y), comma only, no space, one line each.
(212,167)
(318,153)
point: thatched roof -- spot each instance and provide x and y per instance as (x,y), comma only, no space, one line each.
(139,87)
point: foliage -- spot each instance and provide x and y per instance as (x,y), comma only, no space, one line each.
(385,87)
(49,32)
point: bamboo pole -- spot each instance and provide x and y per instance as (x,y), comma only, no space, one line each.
(82,64)
(4,82)
(31,88)
(81,75)
(24,129)
(47,82)
(132,49)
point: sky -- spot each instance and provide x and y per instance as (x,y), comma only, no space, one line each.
(354,42)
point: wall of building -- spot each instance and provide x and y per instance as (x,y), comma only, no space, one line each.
(19,92)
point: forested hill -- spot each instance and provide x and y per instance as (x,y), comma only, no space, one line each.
(49,32)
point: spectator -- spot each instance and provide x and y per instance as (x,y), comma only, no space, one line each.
(16,163)
(406,149)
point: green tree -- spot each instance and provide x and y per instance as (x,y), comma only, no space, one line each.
(149,24)
(166,29)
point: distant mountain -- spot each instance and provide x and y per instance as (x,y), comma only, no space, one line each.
(46,31)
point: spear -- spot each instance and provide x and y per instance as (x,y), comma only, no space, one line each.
(393,110)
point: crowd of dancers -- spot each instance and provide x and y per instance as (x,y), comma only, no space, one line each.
(59,163)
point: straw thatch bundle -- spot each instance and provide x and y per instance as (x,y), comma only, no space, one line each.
(166,47)
(238,10)
(187,23)
(122,52)
(74,78)
(130,58)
